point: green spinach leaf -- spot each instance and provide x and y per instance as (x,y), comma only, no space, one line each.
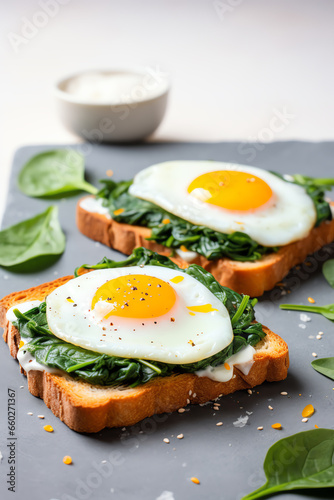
(36,237)
(304,460)
(102,369)
(53,173)
(324,366)
(328,271)
(327,311)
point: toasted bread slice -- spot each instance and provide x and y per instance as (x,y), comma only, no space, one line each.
(251,278)
(90,408)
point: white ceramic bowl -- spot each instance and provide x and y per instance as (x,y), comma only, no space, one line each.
(109,117)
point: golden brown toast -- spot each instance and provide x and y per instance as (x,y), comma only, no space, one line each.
(90,408)
(250,278)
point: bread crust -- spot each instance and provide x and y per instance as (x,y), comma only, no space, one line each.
(87,408)
(251,278)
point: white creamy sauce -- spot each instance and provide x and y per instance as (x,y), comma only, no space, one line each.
(26,360)
(24,307)
(243,360)
(188,256)
(94,205)
(115,88)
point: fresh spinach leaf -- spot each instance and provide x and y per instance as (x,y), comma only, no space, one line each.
(36,237)
(52,173)
(102,369)
(304,460)
(328,271)
(327,311)
(324,366)
(177,232)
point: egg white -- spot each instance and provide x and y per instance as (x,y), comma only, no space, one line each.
(290,216)
(166,341)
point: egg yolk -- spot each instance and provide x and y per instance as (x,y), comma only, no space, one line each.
(136,296)
(231,189)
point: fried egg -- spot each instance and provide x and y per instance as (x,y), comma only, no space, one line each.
(151,312)
(229,197)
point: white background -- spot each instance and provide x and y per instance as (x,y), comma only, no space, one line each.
(234,64)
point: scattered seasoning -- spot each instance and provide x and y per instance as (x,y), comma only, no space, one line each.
(165,221)
(48,428)
(40,416)
(277,426)
(316,426)
(67,460)
(194,395)
(183,248)
(260,428)
(118,211)
(270,407)
(308,411)
(180,436)
(319,337)
(304,420)
(284,393)
(314,354)
(227,366)
(172,320)
(188,401)
(218,424)
(312,301)
(181,410)
(166,440)
(249,391)
(29,413)
(195,480)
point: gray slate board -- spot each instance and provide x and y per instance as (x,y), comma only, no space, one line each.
(227,459)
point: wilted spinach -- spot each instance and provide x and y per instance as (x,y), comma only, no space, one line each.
(177,232)
(102,369)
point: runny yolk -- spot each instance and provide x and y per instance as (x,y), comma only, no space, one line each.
(231,189)
(136,296)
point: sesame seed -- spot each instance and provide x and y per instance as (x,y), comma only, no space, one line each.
(40,416)
(29,413)
(270,407)
(311,300)
(216,408)
(218,424)
(190,392)
(284,393)
(320,333)
(166,440)
(181,410)
(319,337)
(180,436)
(188,401)
(194,395)
(260,428)
(304,420)
(249,391)
(314,354)
(195,480)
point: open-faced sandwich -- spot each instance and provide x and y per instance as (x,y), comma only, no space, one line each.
(247,226)
(125,340)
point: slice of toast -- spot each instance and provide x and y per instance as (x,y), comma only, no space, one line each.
(90,408)
(250,278)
